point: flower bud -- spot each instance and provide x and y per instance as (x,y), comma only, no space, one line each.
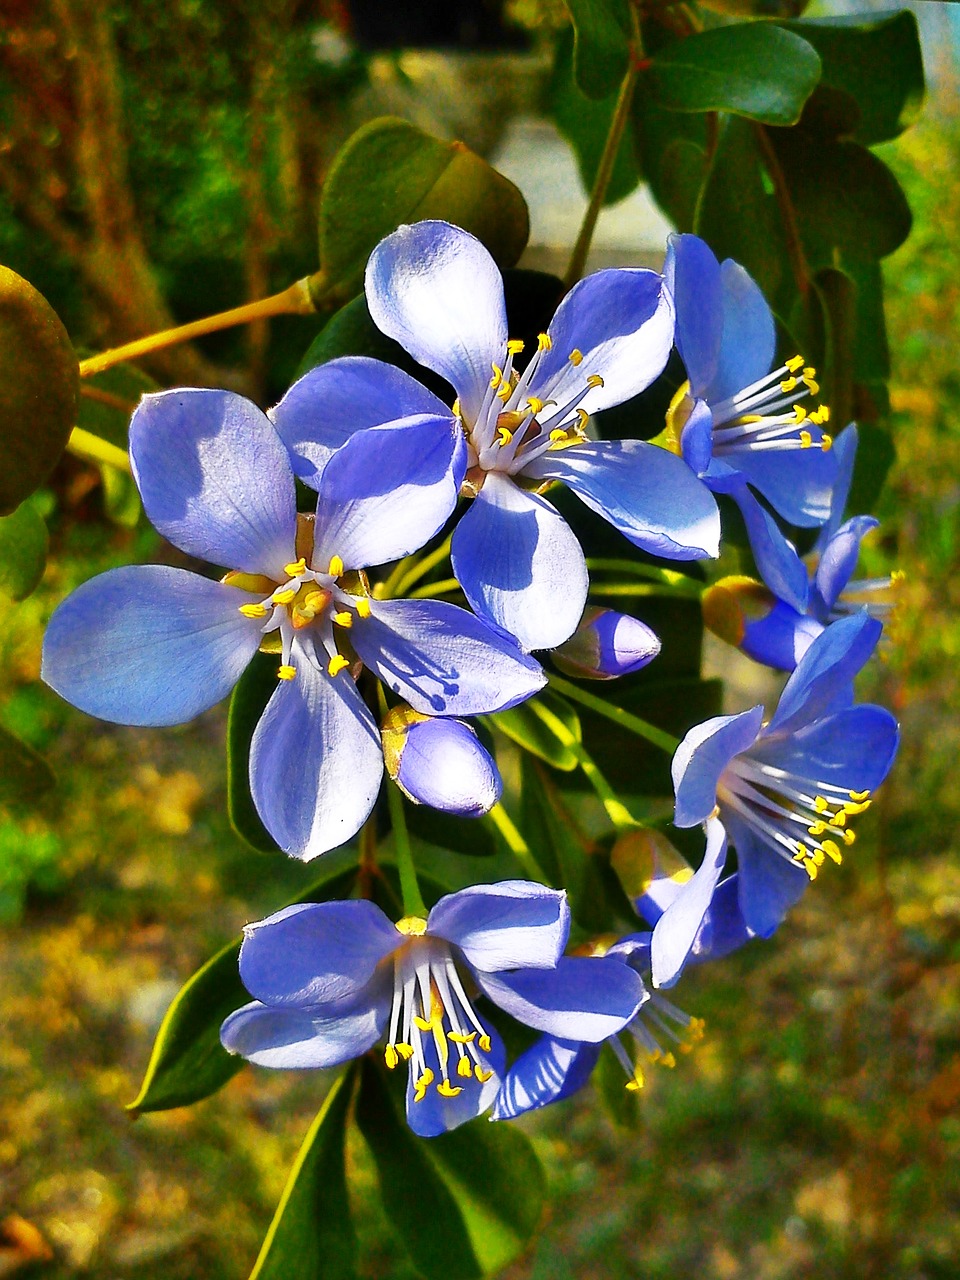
(606,644)
(440,762)
(745,614)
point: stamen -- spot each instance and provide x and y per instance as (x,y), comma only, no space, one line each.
(343,619)
(253,610)
(286,673)
(337,664)
(515,346)
(285,596)
(295,569)
(795,363)
(497,376)
(363,607)
(594,380)
(336,567)
(448,1090)
(575,357)
(544,342)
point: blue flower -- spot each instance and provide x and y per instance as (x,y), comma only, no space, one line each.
(154,645)
(774,632)
(785,791)
(440,762)
(739,421)
(329,979)
(556,1066)
(436,290)
(605,645)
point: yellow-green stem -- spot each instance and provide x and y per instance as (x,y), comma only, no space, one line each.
(516,844)
(657,737)
(412,569)
(84,444)
(617,811)
(413,904)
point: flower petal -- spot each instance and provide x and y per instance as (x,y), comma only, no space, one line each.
(845,452)
(781,638)
(696,438)
(677,929)
(215,478)
(769,883)
(436,290)
(775,555)
(838,557)
(520,564)
(724,929)
(314,955)
(648,493)
(315,761)
(549,1071)
(434,1114)
(692,275)
(291,1039)
(749,341)
(323,409)
(583,998)
(823,680)
(621,323)
(443,660)
(702,757)
(511,925)
(148,645)
(442,763)
(387,491)
(853,749)
(799,489)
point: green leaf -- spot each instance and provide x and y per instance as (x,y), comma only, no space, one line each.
(601,48)
(467,1201)
(351,332)
(388,173)
(524,727)
(188,1061)
(38,389)
(749,69)
(585,123)
(24,774)
(23,551)
(876,454)
(877,63)
(610,1080)
(250,696)
(672,154)
(312,1230)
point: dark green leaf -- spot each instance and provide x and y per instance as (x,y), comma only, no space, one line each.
(38,389)
(610,1081)
(390,173)
(601,50)
(585,123)
(468,1200)
(351,332)
(188,1061)
(876,454)
(749,69)
(24,775)
(312,1233)
(877,62)
(23,551)
(523,726)
(467,835)
(250,696)
(672,150)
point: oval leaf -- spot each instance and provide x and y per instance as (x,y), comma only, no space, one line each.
(749,69)
(601,47)
(250,696)
(38,389)
(390,173)
(524,727)
(23,551)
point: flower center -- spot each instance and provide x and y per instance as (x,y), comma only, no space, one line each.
(432,1020)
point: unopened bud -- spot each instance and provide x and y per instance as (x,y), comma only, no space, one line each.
(731,604)
(440,762)
(606,644)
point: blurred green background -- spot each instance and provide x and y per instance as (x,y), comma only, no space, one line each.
(160,162)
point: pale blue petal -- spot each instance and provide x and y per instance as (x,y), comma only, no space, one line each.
(148,645)
(724,929)
(648,493)
(781,638)
(215,478)
(621,322)
(845,453)
(749,341)
(676,931)
(774,554)
(323,409)
(443,660)
(853,749)
(798,484)
(769,883)
(823,680)
(549,1071)
(520,564)
(511,925)
(316,954)
(692,275)
(445,765)
(702,757)
(291,1039)
(435,289)
(315,761)
(434,1114)
(838,557)
(696,438)
(387,491)
(583,998)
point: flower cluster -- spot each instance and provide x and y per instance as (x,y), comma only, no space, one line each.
(371,675)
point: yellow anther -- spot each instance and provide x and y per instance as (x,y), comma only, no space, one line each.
(799,414)
(515,346)
(819,857)
(285,596)
(582,419)
(505,392)
(557,435)
(812,385)
(296,568)
(669,1060)
(802,851)
(484,1043)
(809,372)
(504,436)
(636,1083)
(465,1069)
(806,439)
(336,567)
(544,342)
(497,375)
(286,673)
(697,1028)
(575,357)
(594,380)
(421,1086)
(787,385)
(820,415)
(826,443)
(253,610)
(852,808)
(832,850)
(534,405)
(859,796)
(840,819)
(412,926)
(363,607)
(818,828)
(849,837)
(422,1024)
(455,410)
(820,804)
(482,1076)
(461,1037)
(337,664)
(448,1090)
(405,1050)
(391,1057)
(343,619)
(795,363)
(810,867)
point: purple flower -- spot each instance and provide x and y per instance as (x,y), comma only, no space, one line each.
(605,645)
(785,791)
(436,290)
(739,422)
(153,645)
(329,979)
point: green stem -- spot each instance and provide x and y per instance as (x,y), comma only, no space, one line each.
(621,113)
(411,569)
(441,588)
(413,903)
(84,444)
(617,811)
(294,300)
(788,215)
(516,843)
(658,737)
